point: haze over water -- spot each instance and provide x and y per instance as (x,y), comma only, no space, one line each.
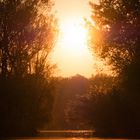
(66,135)
(66,139)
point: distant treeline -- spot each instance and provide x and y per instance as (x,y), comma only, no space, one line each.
(74,99)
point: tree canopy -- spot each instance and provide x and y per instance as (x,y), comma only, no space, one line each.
(28,31)
(117,24)
(116,38)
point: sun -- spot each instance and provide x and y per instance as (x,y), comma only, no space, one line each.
(74,36)
(72,54)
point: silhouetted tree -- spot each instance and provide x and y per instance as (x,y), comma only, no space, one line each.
(68,103)
(27,29)
(117,28)
(117,24)
(27,35)
(101,84)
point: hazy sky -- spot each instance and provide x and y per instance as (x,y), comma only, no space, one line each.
(72,8)
(72,62)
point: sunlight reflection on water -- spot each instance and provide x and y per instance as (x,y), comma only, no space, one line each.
(66,139)
(65,135)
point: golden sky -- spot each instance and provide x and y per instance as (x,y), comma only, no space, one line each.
(71,53)
(72,8)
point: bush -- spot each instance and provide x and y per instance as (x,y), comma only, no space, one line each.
(25,105)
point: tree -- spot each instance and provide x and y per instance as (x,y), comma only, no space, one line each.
(27,28)
(117,24)
(100,84)
(28,32)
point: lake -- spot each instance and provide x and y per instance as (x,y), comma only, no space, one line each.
(65,139)
(65,135)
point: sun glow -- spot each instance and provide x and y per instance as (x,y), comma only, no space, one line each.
(74,36)
(72,54)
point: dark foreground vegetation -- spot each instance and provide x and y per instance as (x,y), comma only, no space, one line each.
(25,105)
(117,112)
(27,35)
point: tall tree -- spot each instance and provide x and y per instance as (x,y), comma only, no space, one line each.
(118,21)
(26,29)
(116,38)
(27,35)
(117,25)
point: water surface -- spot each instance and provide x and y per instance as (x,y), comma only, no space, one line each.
(65,135)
